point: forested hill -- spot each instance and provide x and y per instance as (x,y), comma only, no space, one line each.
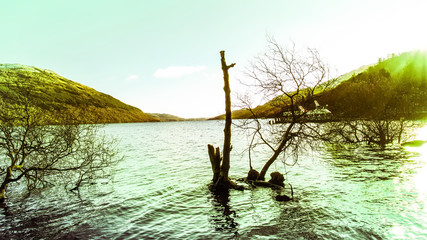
(53,92)
(394,87)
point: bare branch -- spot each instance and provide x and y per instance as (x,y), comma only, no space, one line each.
(44,154)
(289,79)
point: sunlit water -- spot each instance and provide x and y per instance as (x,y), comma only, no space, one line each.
(159,191)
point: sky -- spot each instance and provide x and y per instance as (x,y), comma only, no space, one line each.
(162,56)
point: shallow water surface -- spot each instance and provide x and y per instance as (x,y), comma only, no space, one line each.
(159,191)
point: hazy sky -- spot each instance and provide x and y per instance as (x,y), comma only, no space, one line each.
(163,55)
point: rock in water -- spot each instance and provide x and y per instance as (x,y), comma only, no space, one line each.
(277,178)
(252,175)
(283,198)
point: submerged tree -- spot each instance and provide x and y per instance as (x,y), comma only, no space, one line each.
(291,79)
(375,131)
(221,165)
(374,108)
(44,147)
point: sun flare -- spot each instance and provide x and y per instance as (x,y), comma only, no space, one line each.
(420,177)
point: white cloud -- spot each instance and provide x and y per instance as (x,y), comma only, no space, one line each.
(177,71)
(132,77)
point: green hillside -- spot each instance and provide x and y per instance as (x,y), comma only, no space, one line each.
(394,87)
(52,92)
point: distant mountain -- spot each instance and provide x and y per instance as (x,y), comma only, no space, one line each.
(164,117)
(393,87)
(53,92)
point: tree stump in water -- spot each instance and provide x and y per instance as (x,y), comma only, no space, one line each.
(215,157)
(219,181)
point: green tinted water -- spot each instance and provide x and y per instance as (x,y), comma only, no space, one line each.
(160,191)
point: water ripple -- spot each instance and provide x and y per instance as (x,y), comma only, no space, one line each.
(160,191)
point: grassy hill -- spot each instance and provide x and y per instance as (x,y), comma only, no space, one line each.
(394,87)
(53,92)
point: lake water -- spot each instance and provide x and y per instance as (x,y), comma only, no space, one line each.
(159,191)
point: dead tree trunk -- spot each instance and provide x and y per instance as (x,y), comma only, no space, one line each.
(215,157)
(221,166)
(225,167)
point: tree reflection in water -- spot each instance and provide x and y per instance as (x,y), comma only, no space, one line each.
(223,217)
(4,207)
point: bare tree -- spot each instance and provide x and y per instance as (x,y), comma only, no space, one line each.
(291,79)
(221,165)
(42,147)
